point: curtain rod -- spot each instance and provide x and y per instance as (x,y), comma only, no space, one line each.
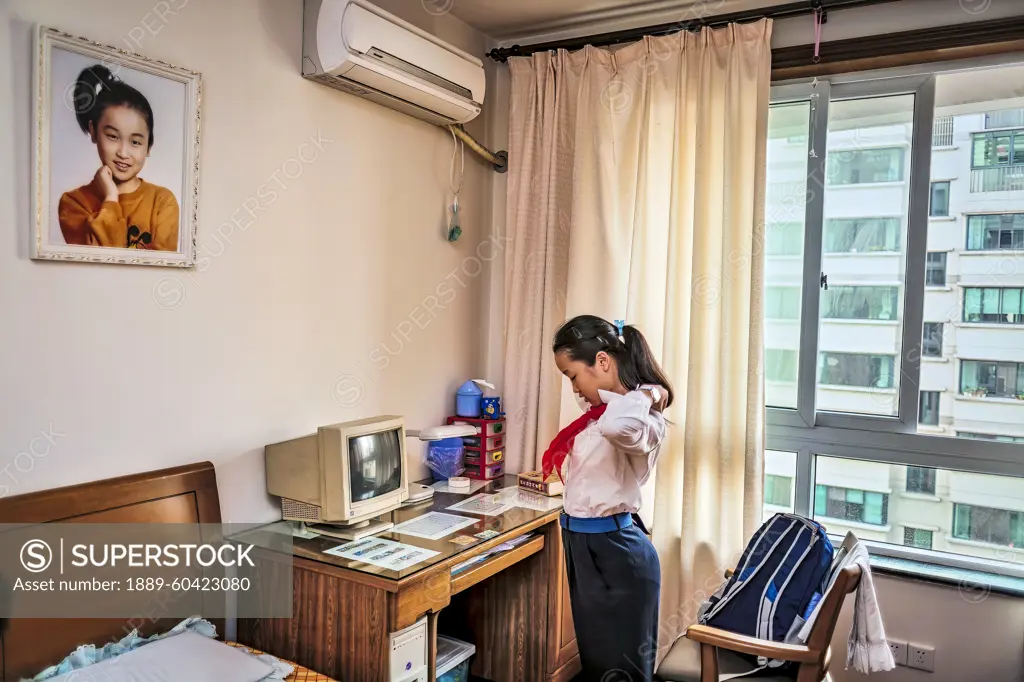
(791,9)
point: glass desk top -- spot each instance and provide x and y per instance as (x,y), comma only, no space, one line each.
(268,536)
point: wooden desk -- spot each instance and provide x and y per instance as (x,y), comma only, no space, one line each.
(513,606)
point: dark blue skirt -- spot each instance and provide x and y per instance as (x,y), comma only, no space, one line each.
(614,586)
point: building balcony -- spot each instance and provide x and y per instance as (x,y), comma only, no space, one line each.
(881,337)
(998,179)
(1003,268)
(997,342)
(997,492)
(782,334)
(881,198)
(986,415)
(869,266)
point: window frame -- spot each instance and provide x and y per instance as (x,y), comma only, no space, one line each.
(967,230)
(931,199)
(999,305)
(1012,160)
(934,475)
(944,258)
(924,340)
(938,405)
(810,433)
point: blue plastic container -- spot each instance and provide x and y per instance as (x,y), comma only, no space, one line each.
(468,399)
(459,673)
(446,458)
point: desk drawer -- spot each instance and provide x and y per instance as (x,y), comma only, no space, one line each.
(496,564)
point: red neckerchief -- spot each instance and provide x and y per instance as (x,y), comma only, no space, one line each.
(561,446)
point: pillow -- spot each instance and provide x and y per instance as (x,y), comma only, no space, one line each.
(185,656)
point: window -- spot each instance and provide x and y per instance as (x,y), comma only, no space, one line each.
(851,505)
(935,270)
(921,480)
(931,340)
(942,131)
(782,303)
(854,369)
(915,537)
(989,436)
(863,400)
(1004,231)
(784,239)
(929,409)
(861,166)
(993,526)
(939,205)
(996,306)
(862,235)
(780,364)
(1003,148)
(859,303)
(983,379)
(778,490)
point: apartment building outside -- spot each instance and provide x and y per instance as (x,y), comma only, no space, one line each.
(972,347)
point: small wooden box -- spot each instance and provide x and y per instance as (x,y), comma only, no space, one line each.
(534,481)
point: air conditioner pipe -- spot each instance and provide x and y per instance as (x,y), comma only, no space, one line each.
(497,159)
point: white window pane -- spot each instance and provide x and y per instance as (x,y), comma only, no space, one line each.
(977,515)
(866,207)
(785,206)
(979,257)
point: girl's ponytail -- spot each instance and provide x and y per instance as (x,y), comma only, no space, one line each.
(584,336)
(88,91)
(642,367)
(96,89)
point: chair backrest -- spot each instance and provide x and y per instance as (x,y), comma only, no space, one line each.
(846,581)
(825,625)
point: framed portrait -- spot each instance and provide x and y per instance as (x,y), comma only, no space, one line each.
(116,155)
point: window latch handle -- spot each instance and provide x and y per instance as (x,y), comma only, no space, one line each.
(824,281)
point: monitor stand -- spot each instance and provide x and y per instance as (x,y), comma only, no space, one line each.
(356,531)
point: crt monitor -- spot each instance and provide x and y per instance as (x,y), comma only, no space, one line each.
(344,474)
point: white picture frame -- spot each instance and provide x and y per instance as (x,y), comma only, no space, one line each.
(68,219)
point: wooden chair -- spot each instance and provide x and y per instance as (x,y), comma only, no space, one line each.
(705,652)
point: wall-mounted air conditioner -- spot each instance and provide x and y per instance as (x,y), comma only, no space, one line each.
(356,47)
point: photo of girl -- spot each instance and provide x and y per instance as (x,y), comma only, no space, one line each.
(117,207)
(116,176)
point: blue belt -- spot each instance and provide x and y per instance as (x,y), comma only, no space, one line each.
(603,524)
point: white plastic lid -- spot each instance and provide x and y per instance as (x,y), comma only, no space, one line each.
(458,482)
(451,652)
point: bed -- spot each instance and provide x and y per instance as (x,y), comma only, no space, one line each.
(186,494)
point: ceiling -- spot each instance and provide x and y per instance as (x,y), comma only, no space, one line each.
(509,19)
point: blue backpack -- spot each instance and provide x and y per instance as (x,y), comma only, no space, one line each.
(781,577)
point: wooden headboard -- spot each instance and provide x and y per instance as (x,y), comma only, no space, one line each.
(186,494)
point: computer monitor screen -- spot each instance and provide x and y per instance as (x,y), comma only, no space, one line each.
(375,464)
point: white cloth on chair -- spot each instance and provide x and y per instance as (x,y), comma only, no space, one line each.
(867,649)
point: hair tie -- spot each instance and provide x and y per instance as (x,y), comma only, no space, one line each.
(619,324)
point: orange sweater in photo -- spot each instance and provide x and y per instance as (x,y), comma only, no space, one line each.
(87,220)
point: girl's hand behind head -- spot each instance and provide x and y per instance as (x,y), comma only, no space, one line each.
(103,182)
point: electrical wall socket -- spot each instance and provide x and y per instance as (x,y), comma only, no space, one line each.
(899,651)
(921,657)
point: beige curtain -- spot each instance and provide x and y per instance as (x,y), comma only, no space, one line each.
(637,193)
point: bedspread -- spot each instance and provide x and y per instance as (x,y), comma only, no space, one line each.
(300,675)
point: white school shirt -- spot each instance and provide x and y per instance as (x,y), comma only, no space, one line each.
(612,457)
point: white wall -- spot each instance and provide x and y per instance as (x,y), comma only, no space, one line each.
(102,378)
(977,636)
